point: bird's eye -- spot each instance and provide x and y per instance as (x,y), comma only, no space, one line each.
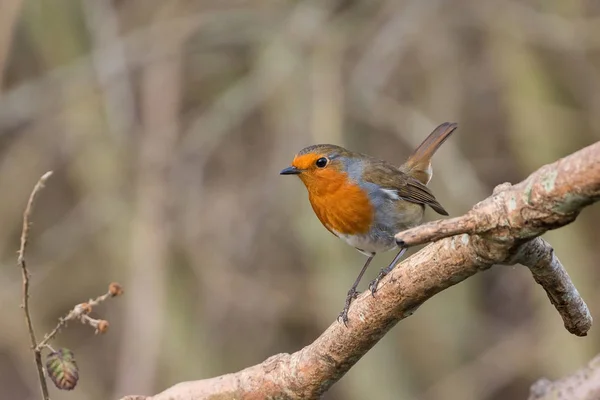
(322,162)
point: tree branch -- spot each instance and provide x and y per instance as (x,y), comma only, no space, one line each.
(583,384)
(21,261)
(547,270)
(502,229)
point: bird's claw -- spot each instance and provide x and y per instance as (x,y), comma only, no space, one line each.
(352,294)
(344,317)
(373,286)
(375,282)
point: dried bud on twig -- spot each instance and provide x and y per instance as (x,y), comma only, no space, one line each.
(102,326)
(115,289)
(84,308)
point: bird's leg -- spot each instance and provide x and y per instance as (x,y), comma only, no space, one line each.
(385,271)
(352,293)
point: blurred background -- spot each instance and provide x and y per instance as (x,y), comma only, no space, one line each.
(167,123)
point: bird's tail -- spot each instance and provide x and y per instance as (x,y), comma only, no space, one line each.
(418,164)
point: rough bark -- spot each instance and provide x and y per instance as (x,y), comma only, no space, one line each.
(582,385)
(502,229)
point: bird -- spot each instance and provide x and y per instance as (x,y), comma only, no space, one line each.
(365,201)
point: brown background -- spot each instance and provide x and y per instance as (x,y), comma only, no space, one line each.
(167,123)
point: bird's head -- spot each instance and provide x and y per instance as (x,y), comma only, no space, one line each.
(322,167)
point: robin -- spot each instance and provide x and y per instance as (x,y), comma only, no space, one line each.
(365,201)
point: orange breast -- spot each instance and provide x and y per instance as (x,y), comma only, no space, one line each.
(344,208)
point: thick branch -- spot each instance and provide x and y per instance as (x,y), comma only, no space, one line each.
(583,384)
(500,231)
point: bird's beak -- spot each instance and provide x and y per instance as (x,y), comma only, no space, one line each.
(290,171)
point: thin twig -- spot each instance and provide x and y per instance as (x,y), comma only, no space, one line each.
(21,261)
(78,312)
(50,348)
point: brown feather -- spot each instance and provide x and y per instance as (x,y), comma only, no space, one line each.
(408,188)
(419,193)
(418,164)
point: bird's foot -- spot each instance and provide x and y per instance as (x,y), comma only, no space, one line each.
(375,282)
(352,294)
(385,271)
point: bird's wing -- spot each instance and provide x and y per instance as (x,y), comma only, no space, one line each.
(393,181)
(416,192)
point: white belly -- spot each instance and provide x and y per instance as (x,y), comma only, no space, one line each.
(365,243)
